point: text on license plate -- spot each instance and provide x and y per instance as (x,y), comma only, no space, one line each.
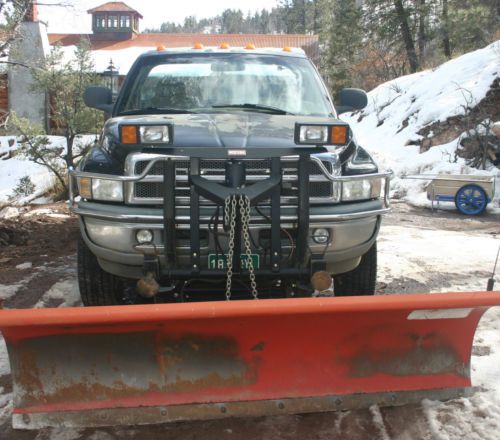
(220,261)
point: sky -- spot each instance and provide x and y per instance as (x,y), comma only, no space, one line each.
(73,18)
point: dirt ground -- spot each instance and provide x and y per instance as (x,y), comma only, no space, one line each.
(38,256)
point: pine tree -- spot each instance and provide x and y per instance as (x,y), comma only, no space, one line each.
(343,38)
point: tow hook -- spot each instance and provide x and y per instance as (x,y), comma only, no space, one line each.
(322,283)
(147,286)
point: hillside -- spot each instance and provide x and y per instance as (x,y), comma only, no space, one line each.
(413,124)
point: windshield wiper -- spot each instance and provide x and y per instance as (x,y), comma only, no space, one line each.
(155,111)
(266,108)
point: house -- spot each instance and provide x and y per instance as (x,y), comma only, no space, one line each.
(116,37)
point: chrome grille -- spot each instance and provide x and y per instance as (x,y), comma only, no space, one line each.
(150,190)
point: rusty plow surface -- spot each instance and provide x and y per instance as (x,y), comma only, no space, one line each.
(156,363)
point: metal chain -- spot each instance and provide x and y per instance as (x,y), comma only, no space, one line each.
(230,221)
(230,205)
(245,226)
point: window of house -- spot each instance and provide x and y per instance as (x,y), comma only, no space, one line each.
(125,21)
(113,21)
(100,21)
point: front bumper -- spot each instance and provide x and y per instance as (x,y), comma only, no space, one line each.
(109,232)
(110,229)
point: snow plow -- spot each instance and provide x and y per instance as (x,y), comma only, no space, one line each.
(148,364)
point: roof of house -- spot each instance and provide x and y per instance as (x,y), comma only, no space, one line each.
(113,7)
(186,40)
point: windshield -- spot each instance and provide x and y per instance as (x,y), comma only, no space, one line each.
(226,83)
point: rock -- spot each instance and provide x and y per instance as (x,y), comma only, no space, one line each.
(9,212)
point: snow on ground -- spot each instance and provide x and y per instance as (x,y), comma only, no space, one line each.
(14,166)
(419,100)
(66,290)
(437,259)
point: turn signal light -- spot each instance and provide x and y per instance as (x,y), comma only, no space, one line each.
(129,134)
(338,135)
(85,187)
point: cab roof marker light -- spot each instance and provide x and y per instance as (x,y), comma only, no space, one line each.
(198,46)
(224,46)
(160,48)
(287,49)
(250,46)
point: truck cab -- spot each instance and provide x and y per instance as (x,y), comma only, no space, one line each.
(222,174)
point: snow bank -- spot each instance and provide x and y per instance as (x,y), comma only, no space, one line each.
(397,110)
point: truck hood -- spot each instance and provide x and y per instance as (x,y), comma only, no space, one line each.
(229,130)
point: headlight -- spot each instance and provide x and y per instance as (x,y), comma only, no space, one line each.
(154,134)
(100,189)
(146,134)
(109,190)
(337,134)
(313,134)
(361,189)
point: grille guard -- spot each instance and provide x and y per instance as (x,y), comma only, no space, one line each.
(234,184)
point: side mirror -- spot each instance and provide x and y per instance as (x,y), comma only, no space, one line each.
(351,99)
(98,97)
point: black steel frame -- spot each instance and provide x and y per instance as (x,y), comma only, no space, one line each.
(235,178)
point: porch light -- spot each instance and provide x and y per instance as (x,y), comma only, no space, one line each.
(111,75)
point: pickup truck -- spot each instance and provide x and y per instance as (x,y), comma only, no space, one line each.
(225,173)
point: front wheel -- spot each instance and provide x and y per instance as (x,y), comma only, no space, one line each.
(97,287)
(359,281)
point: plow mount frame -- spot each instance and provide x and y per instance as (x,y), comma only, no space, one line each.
(102,366)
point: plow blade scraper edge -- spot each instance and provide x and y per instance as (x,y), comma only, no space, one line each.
(145,364)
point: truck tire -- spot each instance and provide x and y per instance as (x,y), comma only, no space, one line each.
(97,287)
(360,281)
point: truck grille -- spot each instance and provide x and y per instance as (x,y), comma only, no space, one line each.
(150,191)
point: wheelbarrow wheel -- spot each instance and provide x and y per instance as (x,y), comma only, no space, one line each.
(360,281)
(97,287)
(471,200)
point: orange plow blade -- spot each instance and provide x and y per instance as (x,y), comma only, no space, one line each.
(157,363)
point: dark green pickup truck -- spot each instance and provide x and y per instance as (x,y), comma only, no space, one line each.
(225,173)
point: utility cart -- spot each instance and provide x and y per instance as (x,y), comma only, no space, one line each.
(470,193)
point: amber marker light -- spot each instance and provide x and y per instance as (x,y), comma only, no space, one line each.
(224,46)
(250,46)
(287,49)
(85,187)
(129,134)
(198,46)
(161,48)
(339,134)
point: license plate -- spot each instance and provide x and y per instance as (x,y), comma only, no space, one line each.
(220,261)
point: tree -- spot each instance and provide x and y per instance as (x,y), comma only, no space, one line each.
(403,22)
(343,39)
(445,29)
(34,144)
(232,21)
(13,15)
(472,23)
(64,82)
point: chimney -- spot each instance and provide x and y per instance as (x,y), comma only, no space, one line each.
(32,13)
